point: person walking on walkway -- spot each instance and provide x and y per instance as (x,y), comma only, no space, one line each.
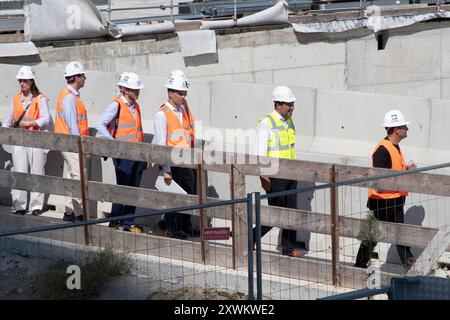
(71,118)
(122,121)
(174,127)
(29,111)
(276,138)
(388,205)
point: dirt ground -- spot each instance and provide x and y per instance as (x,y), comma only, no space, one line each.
(19,275)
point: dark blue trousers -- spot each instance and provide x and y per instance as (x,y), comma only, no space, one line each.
(128,173)
(181,221)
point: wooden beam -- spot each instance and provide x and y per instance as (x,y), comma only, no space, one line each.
(239,217)
(428,258)
(424,183)
(201,191)
(140,151)
(395,233)
(37,183)
(39,139)
(335,249)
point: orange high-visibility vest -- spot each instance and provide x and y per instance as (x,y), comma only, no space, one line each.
(33,110)
(398,163)
(178,135)
(129,128)
(82,120)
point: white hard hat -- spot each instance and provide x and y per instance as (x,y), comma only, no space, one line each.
(130,80)
(25,72)
(283,94)
(177,81)
(394,118)
(73,68)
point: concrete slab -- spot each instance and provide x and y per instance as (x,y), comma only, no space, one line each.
(428,88)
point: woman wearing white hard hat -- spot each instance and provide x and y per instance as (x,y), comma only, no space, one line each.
(122,121)
(29,111)
(388,205)
(174,127)
(71,118)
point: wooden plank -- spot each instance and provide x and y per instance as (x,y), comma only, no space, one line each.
(139,151)
(335,252)
(428,258)
(424,183)
(38,139)
(201,191)
(239,217)
(395,233)
(37,183)
(82,159)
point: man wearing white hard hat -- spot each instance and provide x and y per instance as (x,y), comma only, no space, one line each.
(174,126)
(71,118)
(276,138)
(121,121)
(29,111)
(388,205)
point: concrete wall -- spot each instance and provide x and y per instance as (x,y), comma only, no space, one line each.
(413,63)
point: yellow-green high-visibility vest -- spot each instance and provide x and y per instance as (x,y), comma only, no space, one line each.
(282,138)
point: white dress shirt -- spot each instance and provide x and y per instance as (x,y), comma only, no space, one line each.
(160,127)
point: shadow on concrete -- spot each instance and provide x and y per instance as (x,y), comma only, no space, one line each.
(304,202)
(414,215)
(54,166)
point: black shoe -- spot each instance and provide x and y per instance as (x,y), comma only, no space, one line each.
(179,235)
(69,216)
(79,218)
(21,212)
(36,212)
(114,224)
(162,225)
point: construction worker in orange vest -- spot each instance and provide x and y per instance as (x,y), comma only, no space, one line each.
(387,205)
(71,118)
(122,121)
(29,111)
(174,127)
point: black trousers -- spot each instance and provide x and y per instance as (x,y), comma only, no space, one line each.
(390,210)
(180,221)
(288,237)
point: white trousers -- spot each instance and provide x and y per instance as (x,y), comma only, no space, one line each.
(72,164)
(28,160)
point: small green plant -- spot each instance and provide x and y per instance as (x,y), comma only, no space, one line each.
(370,230)
(96,270)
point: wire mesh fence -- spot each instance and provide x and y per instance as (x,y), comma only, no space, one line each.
(352,242)
(118,264)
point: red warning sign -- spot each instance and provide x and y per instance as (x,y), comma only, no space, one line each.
(216,234)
